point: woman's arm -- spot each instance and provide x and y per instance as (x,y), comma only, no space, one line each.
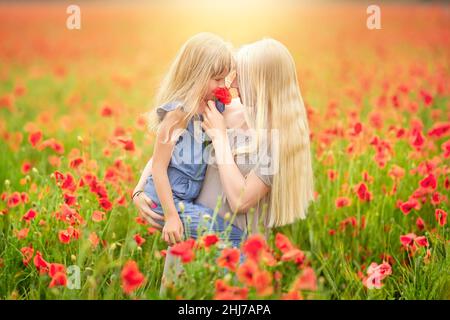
(242,192)
(143,202)
(145,174)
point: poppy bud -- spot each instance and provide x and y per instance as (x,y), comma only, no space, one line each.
(181,206)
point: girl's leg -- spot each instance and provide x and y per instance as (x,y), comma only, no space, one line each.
(196,225)
(172,269)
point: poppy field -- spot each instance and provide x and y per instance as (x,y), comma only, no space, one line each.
(74,140)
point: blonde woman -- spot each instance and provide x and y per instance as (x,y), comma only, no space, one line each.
(283,175)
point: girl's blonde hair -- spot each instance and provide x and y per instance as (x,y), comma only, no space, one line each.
(202,57)
(269,89)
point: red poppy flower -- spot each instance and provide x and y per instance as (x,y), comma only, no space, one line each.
(75,163)
(283,243)
(105,204)
(254,245)
(436,198)
(426,97)
(441,217)
(184,250)
(363,192)
(263,283)
(122,201)
(106,111)
(30,215)
(407,240)
(247,271)
(98,216)
(69,183)
(69,215)
(40,263)
(94,239)
(429,182)
(296,255)
(152,230)
(64,236)
(55,268)
(34,138)
(223,95)
(350,221)
(24,197)
(22,233)
(439,129)
(417,139)
(139,240)
(59,279)
(27,253)
(307,280)
(14,199)
(128,143)
(421,241)
(52,144)
(141,221)
(210,240)
(70,199)
(407,206)
(420,223)
(292,295)
(227,292)
(26,167)
(132,278)
(342,202)
(229,258)
(446,154)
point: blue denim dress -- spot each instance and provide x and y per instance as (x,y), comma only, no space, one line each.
(186,172)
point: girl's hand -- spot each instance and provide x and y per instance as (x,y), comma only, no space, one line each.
(144,203)
(173,230)
(213,122)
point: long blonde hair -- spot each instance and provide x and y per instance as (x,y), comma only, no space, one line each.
(269,90)
(202,57)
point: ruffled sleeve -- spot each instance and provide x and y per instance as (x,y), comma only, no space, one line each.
(162,110)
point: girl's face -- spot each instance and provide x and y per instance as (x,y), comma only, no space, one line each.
(213,84)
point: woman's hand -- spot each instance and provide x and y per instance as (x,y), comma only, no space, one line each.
(144,203)
(173,230)
(214,122)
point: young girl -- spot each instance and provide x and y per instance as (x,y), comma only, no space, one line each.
(178,165)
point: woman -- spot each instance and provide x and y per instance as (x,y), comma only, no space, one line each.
(268,87)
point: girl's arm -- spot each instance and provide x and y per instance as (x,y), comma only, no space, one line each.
(165,142)
(242,193)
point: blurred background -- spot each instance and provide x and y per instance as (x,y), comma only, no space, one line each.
(124,47)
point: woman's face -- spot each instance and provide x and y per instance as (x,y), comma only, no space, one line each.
(235,85)
(233,77)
